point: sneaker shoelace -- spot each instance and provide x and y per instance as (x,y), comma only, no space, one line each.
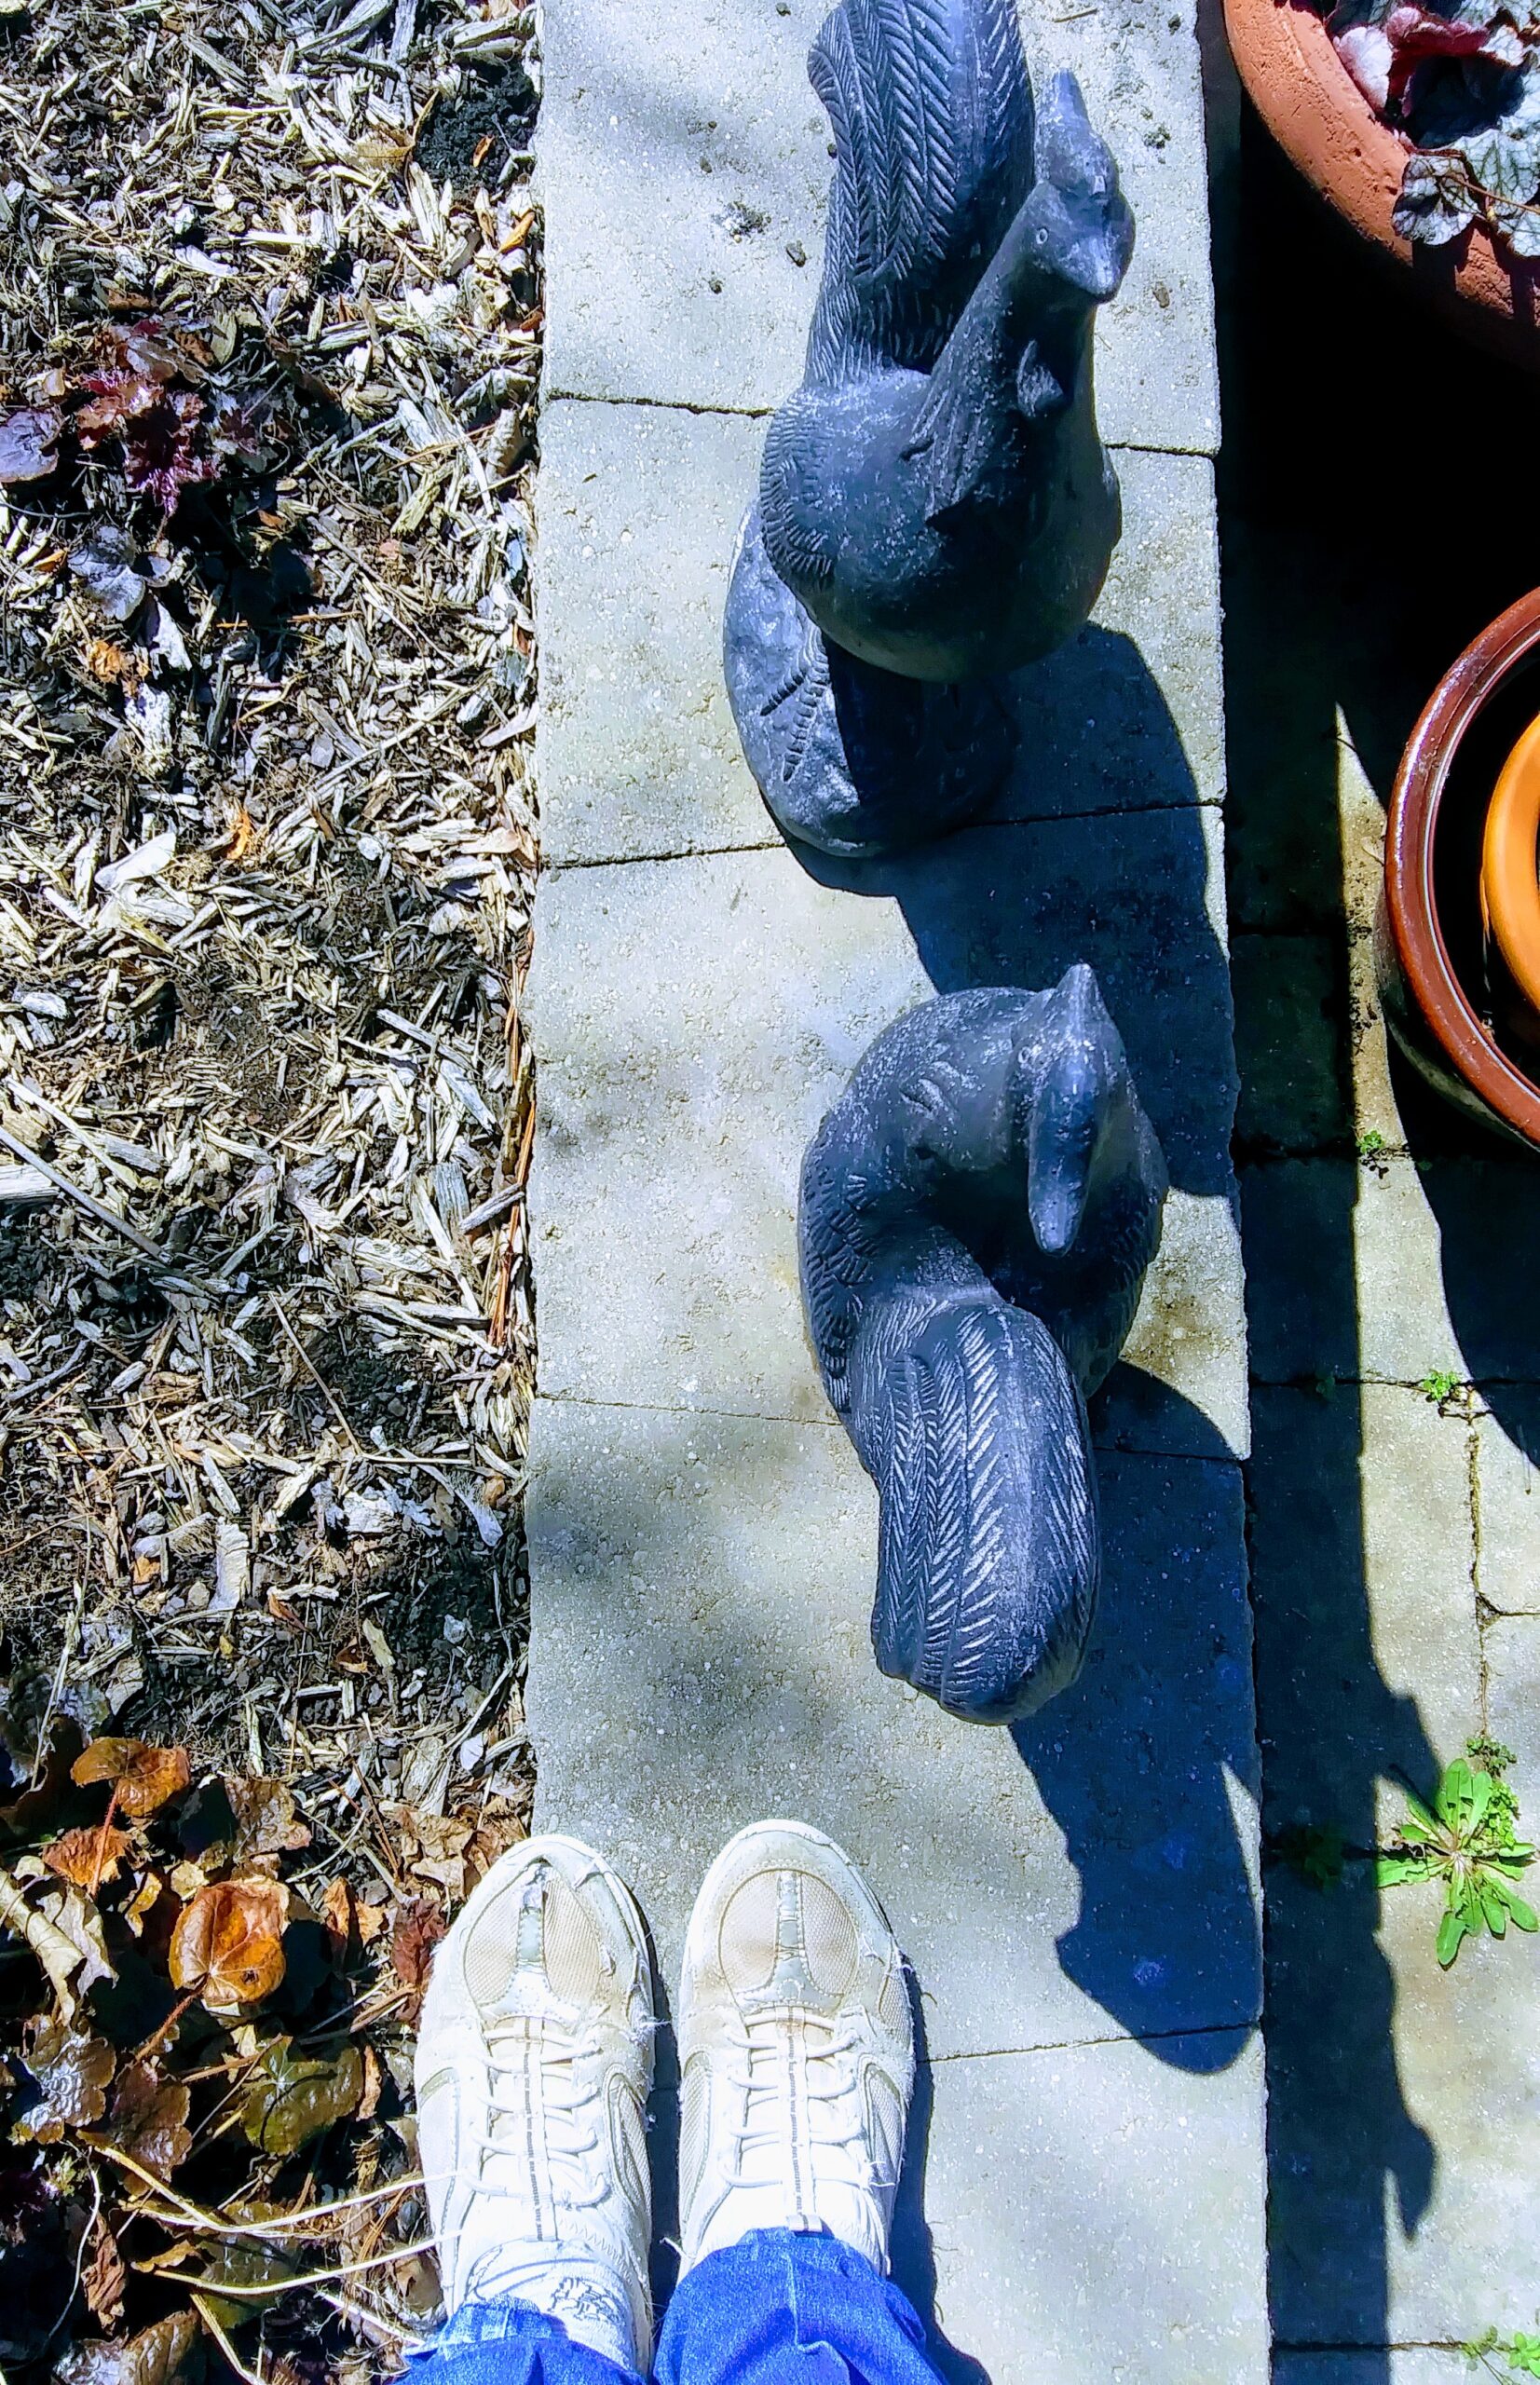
(823,2106)
(541,2045)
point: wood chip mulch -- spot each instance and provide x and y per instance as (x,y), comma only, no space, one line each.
(269,337)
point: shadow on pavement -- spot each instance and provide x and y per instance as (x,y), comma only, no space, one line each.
(1353,571)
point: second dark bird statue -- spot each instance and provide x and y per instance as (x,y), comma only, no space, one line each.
(934,501)
(978,1213)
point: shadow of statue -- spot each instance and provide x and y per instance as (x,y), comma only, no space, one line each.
(1016,900)
(1148,1763)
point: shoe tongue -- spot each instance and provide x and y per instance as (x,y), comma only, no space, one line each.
(790,1981)
(529,1938)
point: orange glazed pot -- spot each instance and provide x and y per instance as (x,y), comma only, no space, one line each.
(1431,946)
(1319,118)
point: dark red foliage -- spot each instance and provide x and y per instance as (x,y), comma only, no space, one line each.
(116,399)
(159,456)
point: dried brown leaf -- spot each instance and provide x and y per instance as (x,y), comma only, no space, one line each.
(336,1912)
(147,346)
(267,1822)
(87,1857)
(78,1919)
(374,2083)
(417,1929)
(139,1906)
(103,2278)
(227,1943)
(143,1778)
(114,665)
(156,2356)
(369,1920)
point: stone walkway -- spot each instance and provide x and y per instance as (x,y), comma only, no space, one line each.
(1084,2199)
(1395,1533)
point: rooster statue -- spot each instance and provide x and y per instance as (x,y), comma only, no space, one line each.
(978,1213)
(935,504)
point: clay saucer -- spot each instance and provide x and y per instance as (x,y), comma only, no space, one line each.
(1426,1003)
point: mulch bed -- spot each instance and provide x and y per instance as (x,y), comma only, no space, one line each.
(269,337)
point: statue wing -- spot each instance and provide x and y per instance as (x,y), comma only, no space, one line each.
(932,112)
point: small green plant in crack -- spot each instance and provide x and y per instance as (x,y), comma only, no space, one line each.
(1439,1386)
(1370,1143)
(1467,1842)
(1520,2354)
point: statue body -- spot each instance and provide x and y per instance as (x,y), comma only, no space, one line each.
(978,1213)
(935,502)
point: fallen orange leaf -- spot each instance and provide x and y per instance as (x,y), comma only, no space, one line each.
(87,1857)
(142,1777)
(227,1945)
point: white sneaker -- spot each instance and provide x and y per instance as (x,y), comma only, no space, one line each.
(533,2065)
(796,2047)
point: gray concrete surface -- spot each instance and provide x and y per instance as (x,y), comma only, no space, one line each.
(1079,1899)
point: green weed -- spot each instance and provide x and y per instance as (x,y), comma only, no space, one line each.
(1520,2353)
(1467,1842)
(1438,1387)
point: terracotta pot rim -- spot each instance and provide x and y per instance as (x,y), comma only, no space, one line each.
(1316,113)
(1411,917)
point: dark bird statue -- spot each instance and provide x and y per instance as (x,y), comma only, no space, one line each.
(935,499)
(978,1213)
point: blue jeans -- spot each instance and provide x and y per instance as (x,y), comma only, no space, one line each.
(779,2308)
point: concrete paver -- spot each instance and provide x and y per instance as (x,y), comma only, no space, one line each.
(1370,1484)
(638,755)
(1510,1646)
(1122,2252)
(1346,1275)
(1287,1033)
(1507,1501)
(1402,2105)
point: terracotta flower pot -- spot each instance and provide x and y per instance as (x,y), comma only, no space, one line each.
(1316,113)
(1435,959)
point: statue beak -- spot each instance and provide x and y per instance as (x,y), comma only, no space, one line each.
(1061,1142)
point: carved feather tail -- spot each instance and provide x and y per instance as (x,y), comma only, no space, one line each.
(988,1557)
(932,114)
